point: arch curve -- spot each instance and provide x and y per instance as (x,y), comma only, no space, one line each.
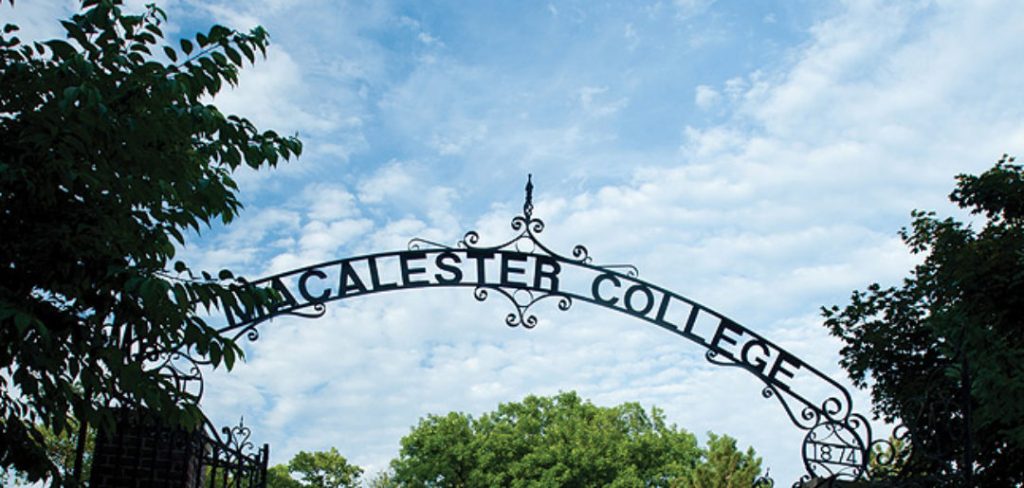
(526,272)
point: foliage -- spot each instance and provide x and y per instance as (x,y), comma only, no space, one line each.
(324,469)
(383,479)
(108,156)
(723,466)
(943,352)
(61,449)
(553,441)
(321,469)
(887,458)
(279,477)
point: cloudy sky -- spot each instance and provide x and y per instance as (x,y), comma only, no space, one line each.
(758,157)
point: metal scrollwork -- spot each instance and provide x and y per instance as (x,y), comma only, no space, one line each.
(802,482)
(235,438)
(713,357)
(764,481)
(893,453)
(238,437)
(838,442)
(183,370)
(319,310)
(527,227)
(834,449)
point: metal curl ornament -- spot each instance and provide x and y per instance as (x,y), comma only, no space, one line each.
(182,370)
(564,303)
(525,240)
(319,310)
(890,455)
(802,482)
(469,240)
(238,436)
(834,449)
(712,356)
(527,227)
(764,481)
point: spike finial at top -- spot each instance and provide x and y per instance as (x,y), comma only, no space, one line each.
(528,206)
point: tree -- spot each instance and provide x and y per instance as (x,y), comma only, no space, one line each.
(62,450)
(724,466)
(383,479)
(325,469)
(440,449)
(548,441)
(108,158)
(943,353)
(279,477)
(321,469)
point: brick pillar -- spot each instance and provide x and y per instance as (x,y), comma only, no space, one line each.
(143,454)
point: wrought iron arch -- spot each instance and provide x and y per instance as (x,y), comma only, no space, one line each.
(838,441)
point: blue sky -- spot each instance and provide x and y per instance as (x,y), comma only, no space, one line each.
(756,156)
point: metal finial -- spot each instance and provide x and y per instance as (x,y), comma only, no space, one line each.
(528,206)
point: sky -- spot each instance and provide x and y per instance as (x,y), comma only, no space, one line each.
(758,157)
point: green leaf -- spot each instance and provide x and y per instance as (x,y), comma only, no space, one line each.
(61,49)
(154,29)
(219,58)
(22,321)
(248,52)
(186,46)
(233,54)
(229,357)
(75,32)
(215,354)
(171,54)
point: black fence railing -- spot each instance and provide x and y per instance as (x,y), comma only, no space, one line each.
(141,453)
(230,460)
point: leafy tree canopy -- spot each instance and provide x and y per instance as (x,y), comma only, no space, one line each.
(563,441)
(943,353)
(109,156)
(61,450)
(320,469)
(723,466)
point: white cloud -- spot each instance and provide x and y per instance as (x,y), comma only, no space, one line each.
(268,94)
(392,181)
(588,98)
(687,9)
(329,202)
(38,21)
(320,240)
(705,97)
(428,39)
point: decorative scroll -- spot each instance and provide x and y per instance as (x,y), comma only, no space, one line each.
(236,437)
(524,241)
(182,369)
(230,459)
(525,271)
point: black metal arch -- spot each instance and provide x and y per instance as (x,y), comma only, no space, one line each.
(838,441)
